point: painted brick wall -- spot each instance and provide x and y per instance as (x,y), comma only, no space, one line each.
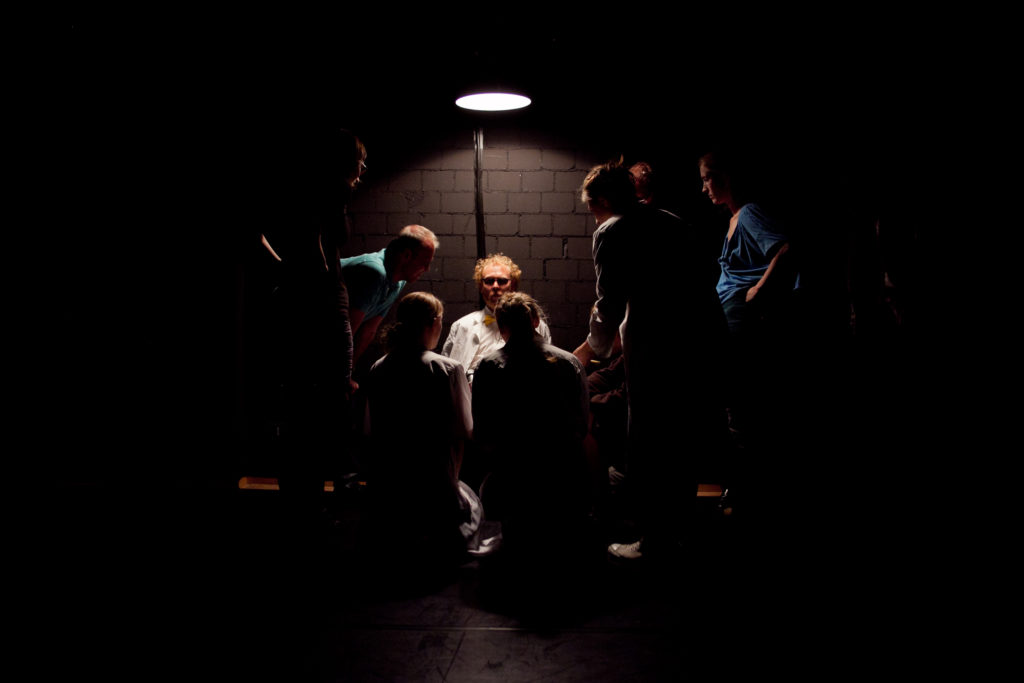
(532,213)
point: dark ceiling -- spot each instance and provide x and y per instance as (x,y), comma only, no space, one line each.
(844,90)
(711,73)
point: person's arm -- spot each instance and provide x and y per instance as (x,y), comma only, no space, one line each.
(607,384)
(364,332)
(612,292)
(266,245)
(449,343)
(544,331)
(753,291)
(462,429)
(585,353)
(360,282)
(583,408)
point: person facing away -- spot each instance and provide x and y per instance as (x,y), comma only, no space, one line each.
(476,334)
(418,417)
(376,279)
(651,293)
(530,413)
(644,180)
(651,191)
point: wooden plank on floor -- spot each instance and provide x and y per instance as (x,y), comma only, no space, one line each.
(709,490)
(270,484)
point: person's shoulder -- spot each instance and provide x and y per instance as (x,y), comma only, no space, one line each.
(650,211)
(468,319)
(495,358)
(609,226)
(753,210)
(758,219)
(666,215)
(365,268)
(372,259)
(562,355)
(378,366)
(446,364)
(556,351)
(662,219)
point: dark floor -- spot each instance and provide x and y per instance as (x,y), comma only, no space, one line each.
(198,582)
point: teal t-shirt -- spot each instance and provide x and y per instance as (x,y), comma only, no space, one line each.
(370,289)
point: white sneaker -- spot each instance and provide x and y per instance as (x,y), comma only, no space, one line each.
(487,546)
(626,551)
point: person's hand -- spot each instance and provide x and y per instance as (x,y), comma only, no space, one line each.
(584,353)
(353,387)
(751,293)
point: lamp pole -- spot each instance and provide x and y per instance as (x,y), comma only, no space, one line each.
(478,165)
(486,101)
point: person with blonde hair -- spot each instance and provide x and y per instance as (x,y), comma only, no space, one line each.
(476,334)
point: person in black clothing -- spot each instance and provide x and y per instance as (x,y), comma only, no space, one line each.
(672,341)
(306,355)
(418,418)
(530,415)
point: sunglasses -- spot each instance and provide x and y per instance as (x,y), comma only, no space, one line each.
(500,280)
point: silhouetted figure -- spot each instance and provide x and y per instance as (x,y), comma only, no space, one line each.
(651,191)
(530,413)
(650,292)
(305,355)
(418,419)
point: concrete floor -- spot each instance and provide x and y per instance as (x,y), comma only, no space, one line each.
(201,583)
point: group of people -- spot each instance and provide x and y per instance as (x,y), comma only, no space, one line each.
(693,352)
(499,396)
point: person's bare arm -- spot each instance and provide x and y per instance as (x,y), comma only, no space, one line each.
(752,292)
(364,332)
(585,353)
(266,245)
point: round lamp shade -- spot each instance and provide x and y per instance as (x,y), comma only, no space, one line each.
(493,101)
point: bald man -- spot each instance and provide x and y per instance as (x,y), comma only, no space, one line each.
(375,280)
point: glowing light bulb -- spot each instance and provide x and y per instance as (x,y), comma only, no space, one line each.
(493,101)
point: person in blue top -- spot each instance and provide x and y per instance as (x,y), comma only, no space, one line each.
(753,248)
(375,280)
(755,279)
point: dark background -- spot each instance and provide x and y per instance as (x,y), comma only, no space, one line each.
(155,139)
(164,126)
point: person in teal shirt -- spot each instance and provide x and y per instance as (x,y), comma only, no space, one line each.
(375,280)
